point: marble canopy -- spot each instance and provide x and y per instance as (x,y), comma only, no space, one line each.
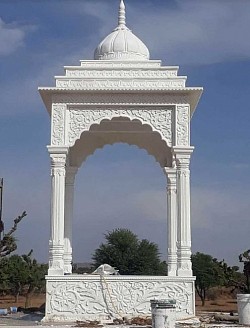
(120,96)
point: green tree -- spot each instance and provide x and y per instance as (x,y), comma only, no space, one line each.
(239,281)
(8,242)
(124,251)
(17,275)
(208,274)
(35,280)
(22,274)
(4,275)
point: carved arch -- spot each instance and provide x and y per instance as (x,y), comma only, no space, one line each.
(81,120)
(151,142)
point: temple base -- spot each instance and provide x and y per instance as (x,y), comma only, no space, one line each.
(93,297)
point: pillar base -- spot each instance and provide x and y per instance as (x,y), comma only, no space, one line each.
(184,273)
(67,268)
(55,272)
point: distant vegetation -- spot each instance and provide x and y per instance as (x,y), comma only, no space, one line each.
(8,242)
(123,250)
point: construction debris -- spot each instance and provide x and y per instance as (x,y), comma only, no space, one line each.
(88,323)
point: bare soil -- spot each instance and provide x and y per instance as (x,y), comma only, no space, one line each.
(36,301)
(218,305)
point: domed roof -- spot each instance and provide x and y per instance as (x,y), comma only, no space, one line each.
(122,44)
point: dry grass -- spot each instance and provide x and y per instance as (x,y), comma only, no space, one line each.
(7,301)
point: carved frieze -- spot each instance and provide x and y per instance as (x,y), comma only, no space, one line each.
(92,299)
(128,73)
(80,120)
(119,84)
(134,64)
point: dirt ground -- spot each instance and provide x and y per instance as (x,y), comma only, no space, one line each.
(7,301)
(221,304)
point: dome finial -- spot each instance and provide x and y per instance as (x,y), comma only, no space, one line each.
(121,44)
(122,15)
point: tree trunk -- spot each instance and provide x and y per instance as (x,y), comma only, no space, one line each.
(202,294)
(203,297)
(17,297)
(28,296)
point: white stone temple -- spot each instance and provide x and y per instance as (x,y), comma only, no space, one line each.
(120,96)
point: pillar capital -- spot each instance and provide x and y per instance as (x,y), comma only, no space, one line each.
(171,174)
(182,157)
(182,152)
(57,150)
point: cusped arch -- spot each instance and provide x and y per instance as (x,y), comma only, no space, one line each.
(120,130)
(160,120)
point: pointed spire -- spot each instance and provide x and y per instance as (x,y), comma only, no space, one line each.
(122,15)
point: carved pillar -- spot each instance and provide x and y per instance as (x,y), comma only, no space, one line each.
(68,216)
(58,157)
(172,221)
(182,156)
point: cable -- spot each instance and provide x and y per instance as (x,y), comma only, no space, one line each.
(110,296)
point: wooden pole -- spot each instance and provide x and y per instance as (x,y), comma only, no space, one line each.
(1,208)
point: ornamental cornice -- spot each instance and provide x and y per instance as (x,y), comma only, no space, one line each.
(118,84)
(120,98)
(118,73)
(121,64)
(91,277)
(160,120)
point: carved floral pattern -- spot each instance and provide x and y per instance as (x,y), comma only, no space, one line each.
(128,73)
(125,64)
(182,125)
(57,135)
(119,84)
(109,297)
(160,120)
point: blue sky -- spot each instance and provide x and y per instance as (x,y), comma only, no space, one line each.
(121,185)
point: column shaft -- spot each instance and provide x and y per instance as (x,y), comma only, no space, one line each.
(68,217)
(184,266)
(172,221)
(56,243)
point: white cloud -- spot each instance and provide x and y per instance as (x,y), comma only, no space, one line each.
(21,95)
(193,32)
(11,38)
(198,32)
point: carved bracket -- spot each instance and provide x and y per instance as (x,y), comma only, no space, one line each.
(182,125)
(57,124)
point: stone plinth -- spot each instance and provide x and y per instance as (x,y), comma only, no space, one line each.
(92,297)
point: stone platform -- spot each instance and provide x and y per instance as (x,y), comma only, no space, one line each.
(94,297)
